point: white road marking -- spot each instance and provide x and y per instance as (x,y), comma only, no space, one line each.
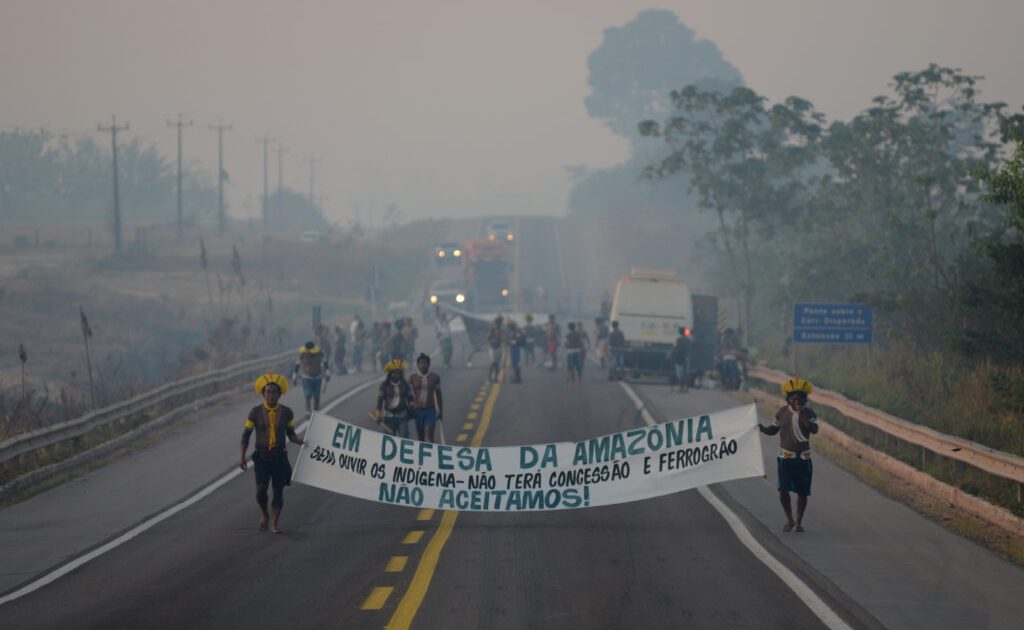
(63,570)
(800,588)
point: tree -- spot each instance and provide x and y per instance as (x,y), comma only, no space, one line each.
(637,65)
(994,302)
(902,195)
(749,164)
(630,76)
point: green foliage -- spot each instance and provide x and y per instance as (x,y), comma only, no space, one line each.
(992,303)
(749,164)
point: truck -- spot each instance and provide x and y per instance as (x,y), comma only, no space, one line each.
(486,272)
(651,305)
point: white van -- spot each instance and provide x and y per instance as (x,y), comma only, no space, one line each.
(651,305)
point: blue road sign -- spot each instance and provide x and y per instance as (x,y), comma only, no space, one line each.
(832,323)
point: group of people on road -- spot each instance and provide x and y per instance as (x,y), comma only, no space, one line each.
(521,343)
(418,399)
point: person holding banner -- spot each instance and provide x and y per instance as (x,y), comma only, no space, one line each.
(794,424)
(427,404)
(272,422)
(394,400)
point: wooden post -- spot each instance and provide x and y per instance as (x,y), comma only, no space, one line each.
(86,333)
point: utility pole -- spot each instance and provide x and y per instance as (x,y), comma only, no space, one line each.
(266,140)
(113,129)
(281,150)
(220,128)
(179,124)
(312,179)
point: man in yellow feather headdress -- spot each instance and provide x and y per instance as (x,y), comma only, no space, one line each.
(273,424)
(794,424)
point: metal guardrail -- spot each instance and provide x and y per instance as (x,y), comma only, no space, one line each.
(77,427)
(982,457)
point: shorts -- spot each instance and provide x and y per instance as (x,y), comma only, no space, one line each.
(272,467)
(425,418)
(682,370)
(795,475)
(311,388)
(574,359)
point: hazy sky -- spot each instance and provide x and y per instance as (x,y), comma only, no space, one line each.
(444,107)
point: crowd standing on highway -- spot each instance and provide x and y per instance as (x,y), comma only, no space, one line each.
(273,423)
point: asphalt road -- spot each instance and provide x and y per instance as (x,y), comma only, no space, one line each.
(669,562)
(661,563)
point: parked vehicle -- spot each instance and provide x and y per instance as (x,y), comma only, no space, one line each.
(651,305)
(486,273)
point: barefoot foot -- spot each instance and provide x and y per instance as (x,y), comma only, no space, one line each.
(787,527)
(262,526)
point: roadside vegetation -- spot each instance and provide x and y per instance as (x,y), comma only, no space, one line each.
(159,311)
(912,207)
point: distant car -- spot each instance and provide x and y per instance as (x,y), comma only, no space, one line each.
(449,253)
(446,292)
(311,236)
(500,231)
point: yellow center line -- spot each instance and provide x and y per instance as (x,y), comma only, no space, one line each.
(413,537)
(377,597)
(413,598)
(396,564)
(468,426)
(462,437)
(471,415)
(425,514)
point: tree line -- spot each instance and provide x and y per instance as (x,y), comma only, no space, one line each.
(59,177)
(912,206)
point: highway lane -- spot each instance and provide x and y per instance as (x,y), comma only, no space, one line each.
(662,563)
(659,563)
(59,524)
(667,562)
(908,571)
(208,566)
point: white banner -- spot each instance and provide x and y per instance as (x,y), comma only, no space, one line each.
(629,466)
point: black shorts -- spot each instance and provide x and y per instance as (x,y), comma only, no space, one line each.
(272,466)
(795,475)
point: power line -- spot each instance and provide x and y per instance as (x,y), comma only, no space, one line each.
(113,129)
(179,124)
(220,128)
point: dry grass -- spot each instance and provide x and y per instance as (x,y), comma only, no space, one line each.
(982,401)
(155,319)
